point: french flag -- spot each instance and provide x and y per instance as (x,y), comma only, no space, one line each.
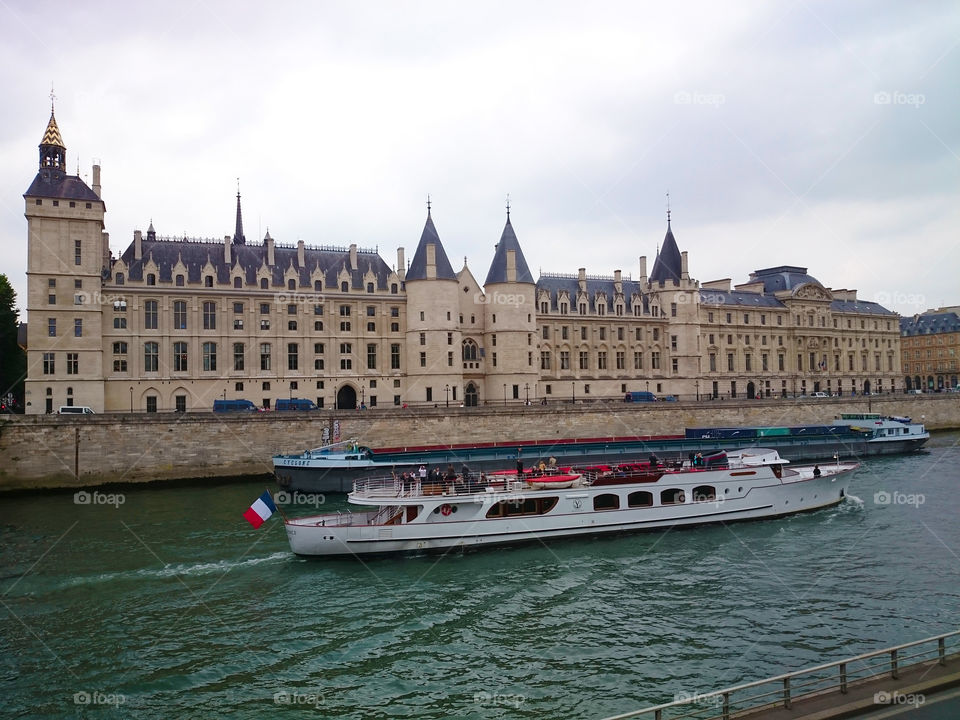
(261,509)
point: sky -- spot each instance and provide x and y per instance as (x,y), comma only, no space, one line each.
(817,134)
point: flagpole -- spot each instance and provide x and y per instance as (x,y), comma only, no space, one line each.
(279,509)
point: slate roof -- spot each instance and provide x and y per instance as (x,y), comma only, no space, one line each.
(668,265)
(71,187)
(194,255)
(555,284)
(747,299)
(783,277)
(418,266)
(930,323)
(860,306)
(498,267)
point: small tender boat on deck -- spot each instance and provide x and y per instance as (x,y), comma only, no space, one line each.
(508,508)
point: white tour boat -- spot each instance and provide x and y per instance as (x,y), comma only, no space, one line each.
(507,508)
(886,434)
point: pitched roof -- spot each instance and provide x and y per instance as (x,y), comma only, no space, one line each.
(51,135)
(70,187)
(930,323)
(783,277)
(554,284)
(668,265)
(194,254)
(418,266)
(498,267)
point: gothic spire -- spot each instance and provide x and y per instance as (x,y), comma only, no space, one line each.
(53,153)
(238,236)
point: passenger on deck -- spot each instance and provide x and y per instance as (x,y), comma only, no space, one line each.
(698,460)
(654,460)
(816,471)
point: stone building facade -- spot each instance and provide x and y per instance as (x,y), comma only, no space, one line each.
(931,350)
(174,323)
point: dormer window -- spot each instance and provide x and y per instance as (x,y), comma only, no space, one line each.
(291,284)
(238,282)
(318,285)
(344,287)
(119,278)
(208,281)
(179,281)
(151,279)
(263,284)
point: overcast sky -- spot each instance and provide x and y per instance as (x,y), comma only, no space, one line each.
(824,135)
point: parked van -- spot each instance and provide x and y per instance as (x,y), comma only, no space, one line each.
(640,397)
(74,410)
(234,406)
(295,404)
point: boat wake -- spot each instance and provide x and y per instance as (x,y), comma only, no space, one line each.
(858,502)
(220,566)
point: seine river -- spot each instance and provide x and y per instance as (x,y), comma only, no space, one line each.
(165,603)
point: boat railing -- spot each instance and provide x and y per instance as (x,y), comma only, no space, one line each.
(397,487)
(783,690)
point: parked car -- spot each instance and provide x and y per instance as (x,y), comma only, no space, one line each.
(820,395)
(668,398)
(234,406)
(74,410)
(640,397)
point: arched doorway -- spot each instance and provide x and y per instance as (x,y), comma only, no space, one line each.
(916,383)
(866,387)
(751,390)
(929,382)
(908,383)
(471,397)
(346,398)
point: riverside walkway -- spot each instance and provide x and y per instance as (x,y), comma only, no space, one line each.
(919,679)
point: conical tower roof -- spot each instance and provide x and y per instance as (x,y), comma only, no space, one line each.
(668,265)
(418,266)
(51,135)
(498,267)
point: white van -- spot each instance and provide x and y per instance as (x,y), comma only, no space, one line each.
(74,410)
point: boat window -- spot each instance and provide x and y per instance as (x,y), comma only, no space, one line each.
(607,501)
(413,511)
(777,471)
(704,493)
(519,506)
(640,498)
(673,496)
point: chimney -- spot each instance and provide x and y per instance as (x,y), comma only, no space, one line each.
(401,264)
(137,245)
(617,276)
(582,279)
(353,257)
(268,243)
(684,274)
(643,269)
(431,261)
(301,257)
(511,265)
(105,244)
(227,240)
(96,179)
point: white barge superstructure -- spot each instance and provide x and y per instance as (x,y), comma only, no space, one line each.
(414,516)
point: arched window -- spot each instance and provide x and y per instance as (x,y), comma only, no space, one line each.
(673,496)
(179,282)
(607,501)
(344,287)
(641,498)
(208,281)
(369,287)
(469,351)
(704,493)
(151,279)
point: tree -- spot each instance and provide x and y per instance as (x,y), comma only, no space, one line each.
(13,361)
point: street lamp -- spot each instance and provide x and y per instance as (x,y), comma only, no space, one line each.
(131,398)
(363,396)
(696,384)
(573,392)
(504,394)
(446,391)
(526,389)
(224,393)
(648,386)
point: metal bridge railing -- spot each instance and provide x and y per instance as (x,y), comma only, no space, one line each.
(782,690)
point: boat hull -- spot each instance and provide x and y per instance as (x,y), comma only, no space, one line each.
(737,499)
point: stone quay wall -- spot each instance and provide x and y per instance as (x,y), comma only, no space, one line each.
(50,451)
